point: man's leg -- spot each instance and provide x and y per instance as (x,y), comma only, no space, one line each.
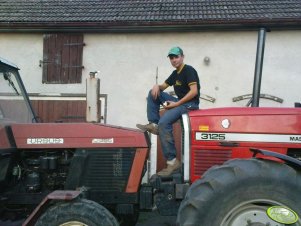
(153,108)
(153,105)
(165,127)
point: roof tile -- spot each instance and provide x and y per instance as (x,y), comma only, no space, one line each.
(147,11)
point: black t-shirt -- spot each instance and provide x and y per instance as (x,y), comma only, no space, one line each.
(181,82)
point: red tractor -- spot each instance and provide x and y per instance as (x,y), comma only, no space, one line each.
(90,174)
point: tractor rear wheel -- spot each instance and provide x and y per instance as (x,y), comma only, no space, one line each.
(80,212)
(239,193)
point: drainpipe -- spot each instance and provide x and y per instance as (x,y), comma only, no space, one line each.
(258,67)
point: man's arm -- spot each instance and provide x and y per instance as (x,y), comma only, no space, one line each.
(157,89)
(189,96)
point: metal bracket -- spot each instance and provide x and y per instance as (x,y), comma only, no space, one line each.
(207,98)
(264,96)
(75,44)
(41,62)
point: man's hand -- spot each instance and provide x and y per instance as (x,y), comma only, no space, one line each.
(192,93)
(170,105)
(155,91)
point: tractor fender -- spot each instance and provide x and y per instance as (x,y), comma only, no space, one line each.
(289,160)
(55,195)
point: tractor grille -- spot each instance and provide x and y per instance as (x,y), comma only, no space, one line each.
(104,170)
(204,159)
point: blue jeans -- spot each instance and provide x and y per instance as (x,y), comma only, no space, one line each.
(166,120)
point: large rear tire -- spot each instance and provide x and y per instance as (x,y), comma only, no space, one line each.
(239,192)
(80,212)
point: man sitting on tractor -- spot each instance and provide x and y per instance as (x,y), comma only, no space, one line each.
(186,84)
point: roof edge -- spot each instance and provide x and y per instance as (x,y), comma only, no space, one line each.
(135,27)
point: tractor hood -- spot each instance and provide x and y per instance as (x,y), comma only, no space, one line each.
(76,135)
(254,120)
(235,111)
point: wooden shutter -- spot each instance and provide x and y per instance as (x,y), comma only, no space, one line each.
(62,58)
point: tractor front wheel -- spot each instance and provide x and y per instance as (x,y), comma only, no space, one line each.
(239,193)
(80,212)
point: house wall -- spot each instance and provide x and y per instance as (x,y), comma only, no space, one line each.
(128,64)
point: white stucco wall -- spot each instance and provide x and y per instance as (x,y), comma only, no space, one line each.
(128,62)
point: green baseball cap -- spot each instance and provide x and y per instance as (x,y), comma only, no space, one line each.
(175,51)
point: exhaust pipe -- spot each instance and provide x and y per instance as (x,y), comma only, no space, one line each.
(92,98)
(258,67)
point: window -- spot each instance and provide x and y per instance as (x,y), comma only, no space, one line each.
(62,58)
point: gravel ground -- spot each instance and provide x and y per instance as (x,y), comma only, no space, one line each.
(9,223)
(145,219)
(154,219)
